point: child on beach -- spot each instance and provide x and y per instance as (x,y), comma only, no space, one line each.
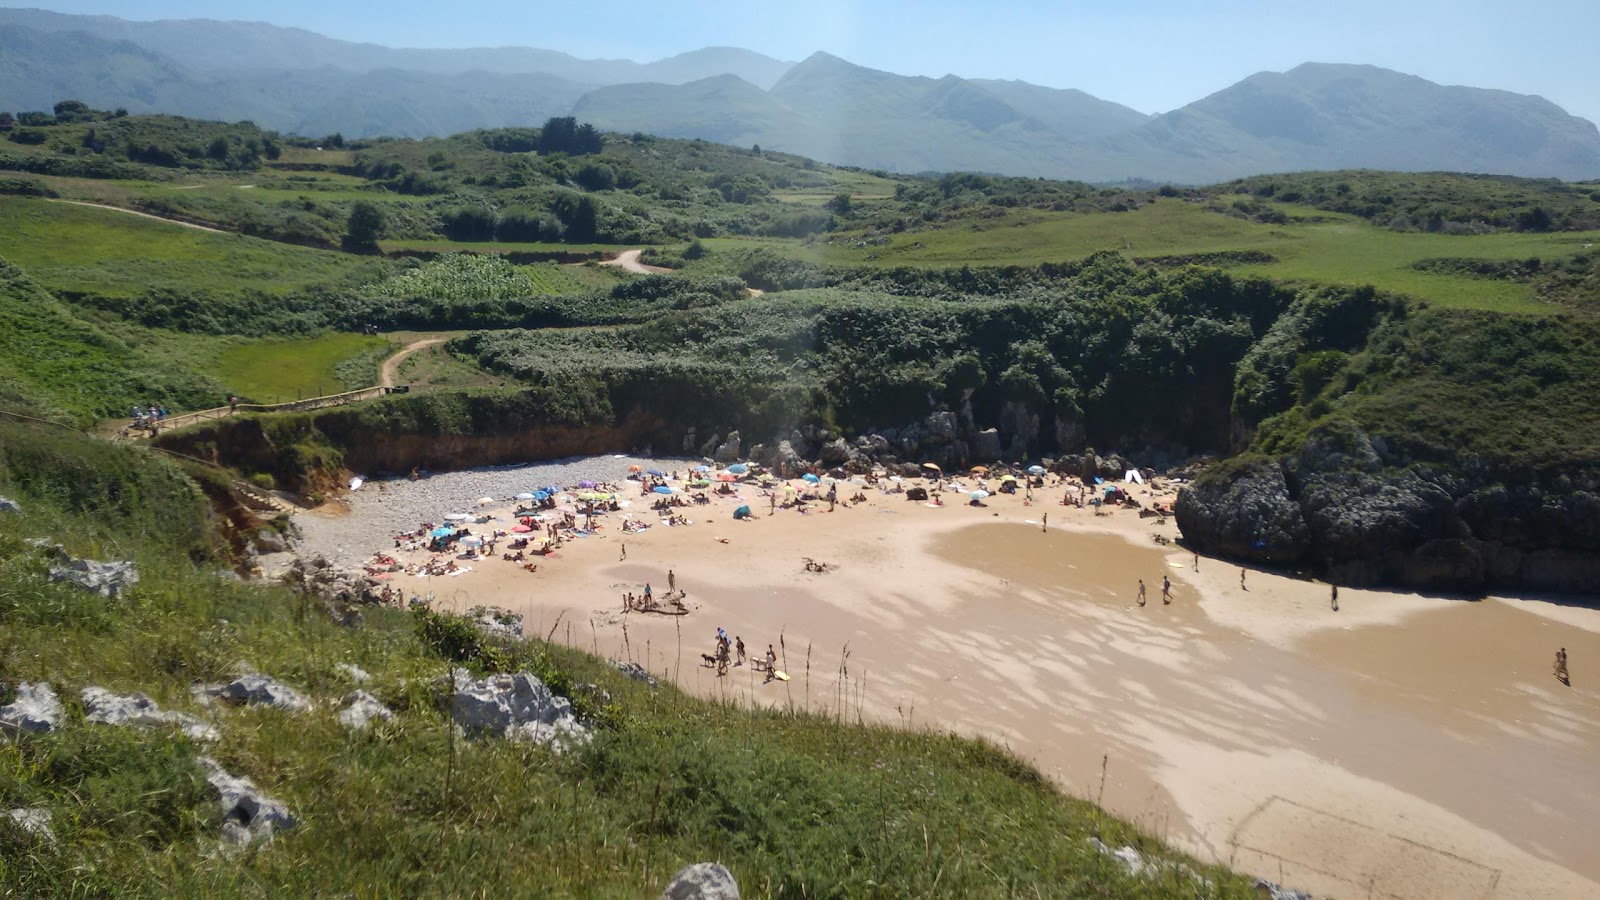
(1561,667)
(1141,592)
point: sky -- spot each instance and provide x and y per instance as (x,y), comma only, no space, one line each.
(1153,56)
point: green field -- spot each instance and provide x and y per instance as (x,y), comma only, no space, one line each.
(1339,250)
(440,245)
(82,250)
(280,371)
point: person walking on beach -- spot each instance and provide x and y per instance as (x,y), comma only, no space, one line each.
(1241,579)
(1333,596)
(672,581)
(1044,522)
(624,552)
(1561,667)
(1141,592)
(1166,590)
(738,643)
(772,663)
(1197,562)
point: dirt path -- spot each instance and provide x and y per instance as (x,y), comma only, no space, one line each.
(391,366)
(145,215)
(628,261)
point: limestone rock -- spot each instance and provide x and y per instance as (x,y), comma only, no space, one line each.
(136,710)
(353,672)
(108,579)
(268,540)
(34,823)
(9,505)
(497,622)
(728,451)
(256,689)
(635,671)
(702,881)
(835,452)
(248,815)
(1248,515)
(986,445)
(941,427)
(517,707)
(35,710)
(360,708)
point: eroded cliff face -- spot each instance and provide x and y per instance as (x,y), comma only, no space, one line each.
(1347,508)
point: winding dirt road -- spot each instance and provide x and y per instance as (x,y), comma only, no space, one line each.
(391,366)
(143,215)
(628,261)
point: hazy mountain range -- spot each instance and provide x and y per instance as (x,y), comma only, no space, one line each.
(1316,116)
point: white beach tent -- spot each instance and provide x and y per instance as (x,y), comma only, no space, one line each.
(1133,476)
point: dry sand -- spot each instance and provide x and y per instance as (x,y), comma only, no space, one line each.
(1404,746)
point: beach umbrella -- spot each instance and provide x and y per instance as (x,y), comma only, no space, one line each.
(525,496)
(742,512)
(980,470)
(458,517)
(485,501)
(635,468)
(739,469)
(1036,470)
(932,466)
(472,541)
(809,478)
(587,484)
(896,479)
(541,495)
(699,483)
(657,473)
(767,478)
(727,476)
(1008,478)
(442,531)
(521,529)
(702,468)
(662,489)
(978,495)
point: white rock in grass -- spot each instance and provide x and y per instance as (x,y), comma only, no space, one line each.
(35,710)
(255,689)
(360,708)
(354,672)
(9,505)
(248,815)
(518,707)
(137,710)
(702,881)
(108,579)
(32,822)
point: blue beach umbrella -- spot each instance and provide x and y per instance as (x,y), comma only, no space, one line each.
(810,478)
(742,512)
(739,469)
(662,489)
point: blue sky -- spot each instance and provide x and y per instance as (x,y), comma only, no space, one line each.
(1153,56)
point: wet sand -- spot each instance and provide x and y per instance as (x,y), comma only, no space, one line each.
(1405,746)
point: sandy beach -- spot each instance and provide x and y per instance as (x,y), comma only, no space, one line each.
(1406,745)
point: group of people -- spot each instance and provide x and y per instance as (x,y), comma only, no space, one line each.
(149,417)
(731,652)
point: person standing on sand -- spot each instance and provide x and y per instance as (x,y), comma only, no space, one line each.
(1333,596)
(1197,562)
(1166,590)
(1044,522)
(1241,579)
(1141,592)
(738,643)
(672,581)
(624,552)
(647,593)
(1561,667)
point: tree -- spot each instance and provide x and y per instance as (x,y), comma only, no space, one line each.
(7,121)
(73,111)
(365,226)
(840,204)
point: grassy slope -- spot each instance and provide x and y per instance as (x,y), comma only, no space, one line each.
(797,805)
(278,371)
(77,249)
(1341,250)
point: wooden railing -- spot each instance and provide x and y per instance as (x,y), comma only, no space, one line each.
(222,412)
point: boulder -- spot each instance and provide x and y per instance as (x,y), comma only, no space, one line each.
(248,815)
(9,505)
(360,708)
(36,710)
(1020,424)
(728,451)
(709,448)
(635,671)
(516,707)
(786,459)
(1088,466)
(32,823)
(103,707)
(986,445)
(269,540)
(1246,512)
(353,672)
(497,622)
(835,452)
(1272,891)
(702,881)
(108,579)
(256,689)
(1070,432)
(335,587)
(940,427)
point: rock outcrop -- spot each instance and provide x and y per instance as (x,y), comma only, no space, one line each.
(516,707)
(702,881)
(9,505)
(360,708)
(256,689)
(248,815)
(635,671)
(108,579)
(138,711)
(33,823)
(35,710)
(1350,508)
